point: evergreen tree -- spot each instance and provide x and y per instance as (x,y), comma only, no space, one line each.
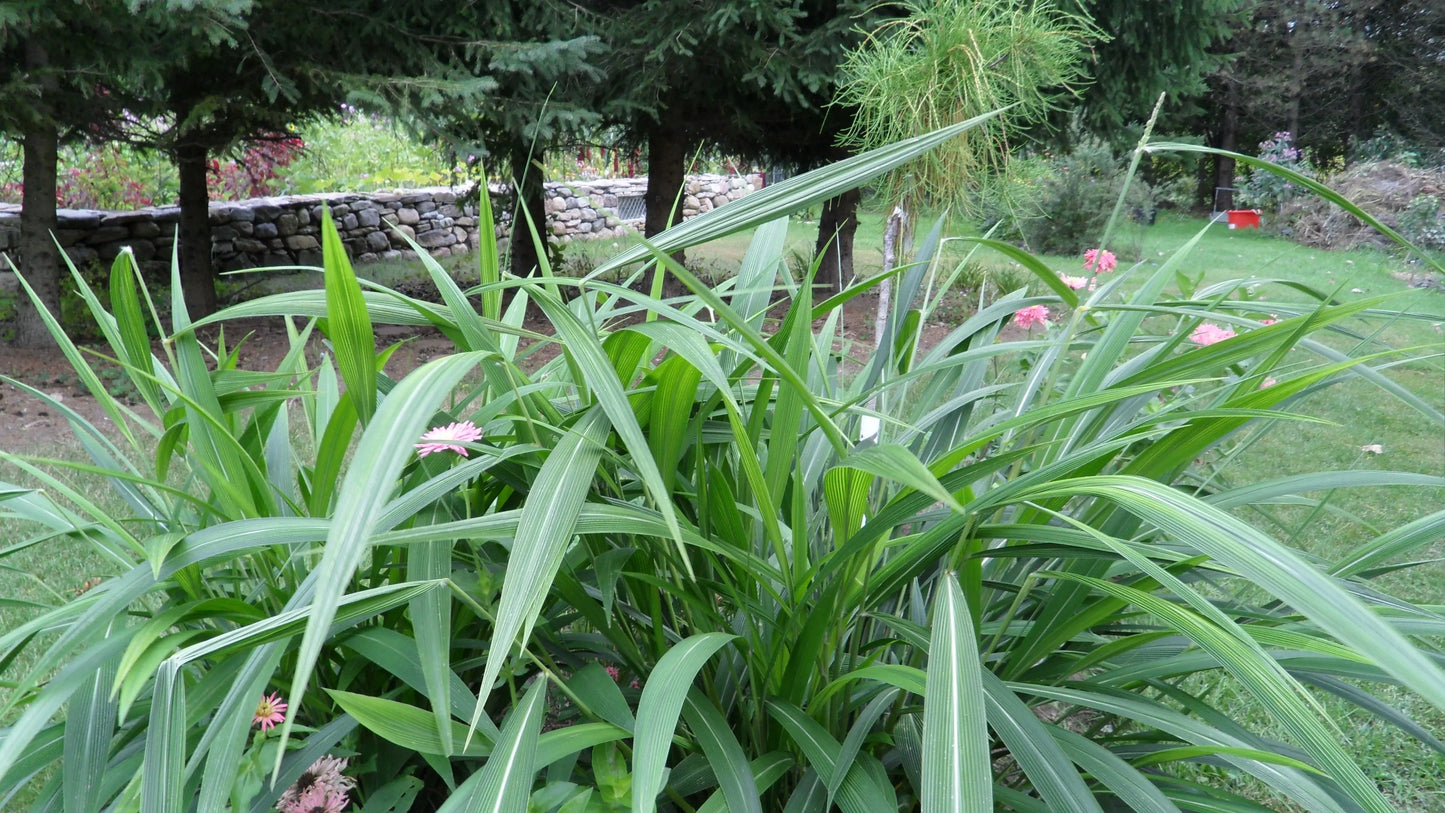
(57,86)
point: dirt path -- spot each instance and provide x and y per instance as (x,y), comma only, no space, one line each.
(30,426)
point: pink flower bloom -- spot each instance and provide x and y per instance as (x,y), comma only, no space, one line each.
(1268,382)
(447,438)
(322,788)
(614,673)
(1074,282)
(317,799)
(1028,317)
(1207,334)
(1098,260)
(270,712)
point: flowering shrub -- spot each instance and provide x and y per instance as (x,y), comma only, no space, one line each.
(257,171)
(1265,190)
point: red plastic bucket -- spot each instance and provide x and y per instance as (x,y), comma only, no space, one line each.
(1243,218)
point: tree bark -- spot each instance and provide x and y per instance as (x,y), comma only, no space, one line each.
(1228,134)
(198,284)
(667,150)
(530,195)
(836,227)
(39,258)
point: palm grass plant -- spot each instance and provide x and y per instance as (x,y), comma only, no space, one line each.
(712,556)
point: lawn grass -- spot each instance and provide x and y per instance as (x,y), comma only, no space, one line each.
(1411,774)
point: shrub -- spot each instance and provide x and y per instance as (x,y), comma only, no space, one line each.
(1076,195)
(698,561)
(1268,191)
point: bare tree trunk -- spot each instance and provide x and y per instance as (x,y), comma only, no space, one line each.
(531,196)
(1228,134)
(836,228)
(667,150)
(39,258)
(197,282)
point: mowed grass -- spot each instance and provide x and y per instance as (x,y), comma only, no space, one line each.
(1358,416)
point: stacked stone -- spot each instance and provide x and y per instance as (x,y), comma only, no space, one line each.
(287,230)
(703,193)
(589,209)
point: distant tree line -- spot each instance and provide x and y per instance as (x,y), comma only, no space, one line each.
(756,78)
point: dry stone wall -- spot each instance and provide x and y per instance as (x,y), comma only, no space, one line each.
(441,220)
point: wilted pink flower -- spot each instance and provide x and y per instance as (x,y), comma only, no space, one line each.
(447,438)
(270,712)
(1098,260)
(322,788)
(1028,317)
(1074,282)
(1207,334)
(317,799)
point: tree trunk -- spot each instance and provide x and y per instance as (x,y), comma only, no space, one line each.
(197,282)
(39,258)
(1228,134)
(527,185)
(667,150)
(836,227)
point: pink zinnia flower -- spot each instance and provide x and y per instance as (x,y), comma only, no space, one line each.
(1026,318)
(1207,334)
(1074,282)
(270,712)
(1098,260)
(317,799)
(322,788)
(447,438)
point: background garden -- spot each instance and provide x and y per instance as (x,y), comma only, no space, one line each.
(1061,496)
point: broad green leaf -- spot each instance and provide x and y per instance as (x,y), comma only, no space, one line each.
(657,712)
(386,445)
(724,753)
(348,323)
(956,762)
(545,530)
(505,782)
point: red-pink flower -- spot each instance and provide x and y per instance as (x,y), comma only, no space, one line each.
(1074,282)
(1097,260)
(1207,334)
(270,712)
(1028,317)
(447,439)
